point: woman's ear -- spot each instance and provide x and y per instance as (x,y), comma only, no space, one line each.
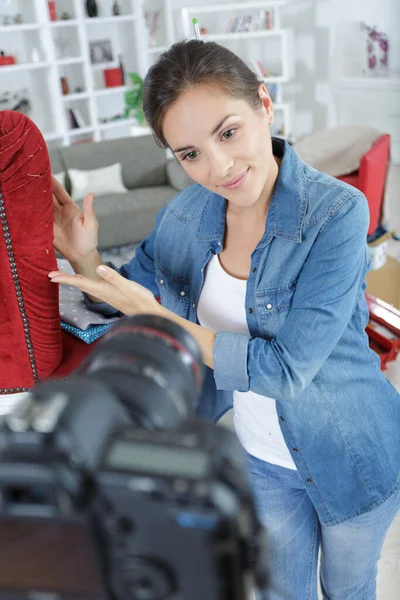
(266,102)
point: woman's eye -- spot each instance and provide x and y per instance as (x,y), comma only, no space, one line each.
(191,155)
(228,134)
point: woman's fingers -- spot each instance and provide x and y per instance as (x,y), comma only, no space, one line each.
(56,202)
(114,278)
(88,206)
(89,286)
(61,195)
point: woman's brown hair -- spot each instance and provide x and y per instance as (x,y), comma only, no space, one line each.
(189,63)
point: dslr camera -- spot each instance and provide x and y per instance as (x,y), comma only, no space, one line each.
(112,489)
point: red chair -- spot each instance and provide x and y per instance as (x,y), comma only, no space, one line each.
(32,346)
(370,178)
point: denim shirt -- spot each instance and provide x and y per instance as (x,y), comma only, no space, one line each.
(306,314)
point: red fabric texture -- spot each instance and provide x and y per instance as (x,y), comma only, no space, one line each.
(32,347)
(74,352)
(25,184)
(370,178)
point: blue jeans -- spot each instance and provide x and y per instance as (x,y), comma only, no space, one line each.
(349,551)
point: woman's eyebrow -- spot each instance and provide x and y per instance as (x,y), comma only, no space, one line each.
(212,133)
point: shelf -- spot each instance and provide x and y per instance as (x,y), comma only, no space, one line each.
(370,82)
(52,135)
(282,107)
(234,6)
(157,49)
(75,60)
(64,23)
(107,65)
(245,35)
(274,79)
(138,130)
(19,27)
(111,90)
(24,67)
(116,123)
(116,19)
(77,96)
(80,131)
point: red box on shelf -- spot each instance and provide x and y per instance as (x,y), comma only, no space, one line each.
(383,329)
(113,77)
(7,60)
(52,10)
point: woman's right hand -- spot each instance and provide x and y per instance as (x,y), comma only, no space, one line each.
(75,230)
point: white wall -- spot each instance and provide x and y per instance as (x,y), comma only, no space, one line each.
(329,45)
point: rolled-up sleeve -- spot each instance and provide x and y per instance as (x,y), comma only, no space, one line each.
(327,291)
(230,361)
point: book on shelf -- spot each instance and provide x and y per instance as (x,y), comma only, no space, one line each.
(260,70)
(264,21)
(75,118)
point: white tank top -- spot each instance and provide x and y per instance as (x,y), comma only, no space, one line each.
(222,308)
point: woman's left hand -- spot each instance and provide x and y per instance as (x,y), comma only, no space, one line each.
(128,297)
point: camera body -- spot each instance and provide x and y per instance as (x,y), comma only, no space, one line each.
(95,506)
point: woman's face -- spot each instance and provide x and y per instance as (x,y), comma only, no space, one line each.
(223,143)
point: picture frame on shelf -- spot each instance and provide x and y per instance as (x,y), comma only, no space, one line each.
(101,51)
(17,100)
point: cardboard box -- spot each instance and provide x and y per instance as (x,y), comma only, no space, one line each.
(384,283)
(379,250)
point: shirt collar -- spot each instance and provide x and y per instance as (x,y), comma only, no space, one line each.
(287,208)
(289,199)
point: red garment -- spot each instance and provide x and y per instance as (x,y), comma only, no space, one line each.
(31,347)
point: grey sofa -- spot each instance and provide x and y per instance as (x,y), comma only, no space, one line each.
(151,179)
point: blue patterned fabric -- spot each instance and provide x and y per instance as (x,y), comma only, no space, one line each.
(89,335)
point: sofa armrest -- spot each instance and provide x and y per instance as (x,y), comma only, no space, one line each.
(176,176)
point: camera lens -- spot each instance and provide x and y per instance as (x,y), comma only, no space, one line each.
(153,365)
(146,579)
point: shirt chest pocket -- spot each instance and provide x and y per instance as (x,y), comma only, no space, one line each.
(273,306)
(174,292)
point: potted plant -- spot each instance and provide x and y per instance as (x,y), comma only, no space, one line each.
(134,99)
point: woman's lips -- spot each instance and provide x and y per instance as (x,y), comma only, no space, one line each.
(236,184)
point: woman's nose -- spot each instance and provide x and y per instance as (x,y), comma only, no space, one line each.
(220,165)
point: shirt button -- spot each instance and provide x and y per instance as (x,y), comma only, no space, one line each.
(269,306)
(295,449)
(161,281)
(309,480)
(194,306)
(182,293)
(281,418)
(254,269)
(250,310)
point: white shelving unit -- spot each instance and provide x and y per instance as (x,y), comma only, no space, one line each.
(272,47)
(48,50)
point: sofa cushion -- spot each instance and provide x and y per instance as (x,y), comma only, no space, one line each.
(127,218)
(107,180)
(142,161)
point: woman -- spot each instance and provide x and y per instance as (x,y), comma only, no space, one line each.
(263,262)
